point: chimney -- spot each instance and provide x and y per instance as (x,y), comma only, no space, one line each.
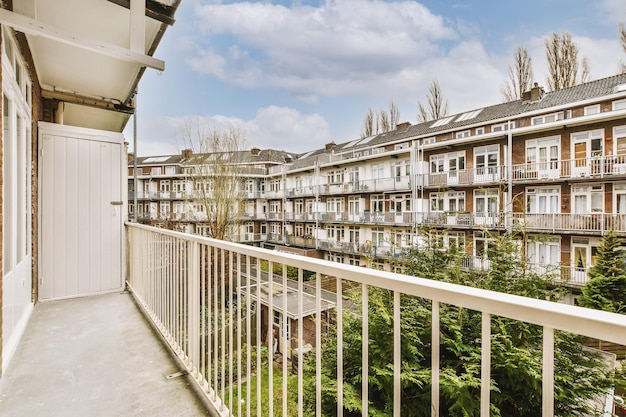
(535,93)
(255,151)
(130,156)
(330,146)
(186,153)
(403,127)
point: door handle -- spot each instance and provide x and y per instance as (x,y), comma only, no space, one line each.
(117,203)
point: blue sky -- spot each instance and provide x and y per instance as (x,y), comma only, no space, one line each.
(294,75)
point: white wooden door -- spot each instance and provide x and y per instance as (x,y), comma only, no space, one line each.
(80,211)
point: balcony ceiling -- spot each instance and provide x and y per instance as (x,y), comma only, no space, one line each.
(86,55)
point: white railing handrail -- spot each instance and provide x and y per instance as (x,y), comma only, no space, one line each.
(180,280)
(590,323)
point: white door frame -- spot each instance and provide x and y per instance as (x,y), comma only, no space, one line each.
(117,206)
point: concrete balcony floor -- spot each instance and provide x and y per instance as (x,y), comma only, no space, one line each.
(94,356)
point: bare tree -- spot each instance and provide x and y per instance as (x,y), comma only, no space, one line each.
(215,171)
(394,114)
(385,120)
(622,41)
(436,107)
(563,64)
(520,75)
(368,124)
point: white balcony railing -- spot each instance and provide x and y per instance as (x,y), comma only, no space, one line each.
(203,295)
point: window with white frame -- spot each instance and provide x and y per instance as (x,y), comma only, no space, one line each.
(275,185)
(401,169)
(156,170)
(463,134)
(543,200)
(454,239)
(249,187)
(502,127)
(299,206)
(249,227)
(543,153)
(544,251)
(619,190)
(448,162)
(546,118)
(377,171)
(335,205)
(354,260)
(16,159)
(589,110)
(486,159)
(353,234)
(481,244)
(619,140)
(275,228)
(450,201)
(588,198)
(354,207)
(164,207)
(335,177)
(377,203)
(378,236)
(400,203)
(274,206)
(587,145)
(164,186)
(619,105)
(486,202)
(170,170)
(299,229)
(479,131)
(335,232)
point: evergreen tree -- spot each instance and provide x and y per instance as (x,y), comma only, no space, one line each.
(516,352)
(606,288)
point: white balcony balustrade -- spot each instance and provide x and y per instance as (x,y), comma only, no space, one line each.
(221,314)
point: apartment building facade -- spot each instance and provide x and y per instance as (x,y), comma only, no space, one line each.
(551,165)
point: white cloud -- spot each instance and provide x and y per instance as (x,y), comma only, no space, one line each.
(613,10)
(337,48)
(273,127)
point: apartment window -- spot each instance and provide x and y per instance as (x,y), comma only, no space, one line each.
(437,163)
(299,206)
(335,177)
(619,105)
(502,127)
(463,134)
(354,260)
(401,169)
(544,251)
(170,170)
(335,233)
(449,162)
(378,236)
(377,203)
(486,202)
(543,200)
(399,146)
(619,138)
(354,205)
(436,201)
(179,186)
(275,185)
(588,199)
(16,157)
(486,159)
(546,118)
(353,234)
(451,201)
(249,187)
(377,171)
(429,141)
(589,110)
(299,230)
(164,207)
(587,145)
(275,228)
(263,228)
(543,154)
(335,205)
(481,244)
(620,198)
(164,186)
(249,227)
(131,208)
(156,170)
(274,206)
(479,131)
(454,239)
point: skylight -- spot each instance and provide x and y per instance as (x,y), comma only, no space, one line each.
(153,159)
(469,115)
(442,122)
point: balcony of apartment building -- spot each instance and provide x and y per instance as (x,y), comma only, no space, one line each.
(221,332)
(379,185)
(592,168)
